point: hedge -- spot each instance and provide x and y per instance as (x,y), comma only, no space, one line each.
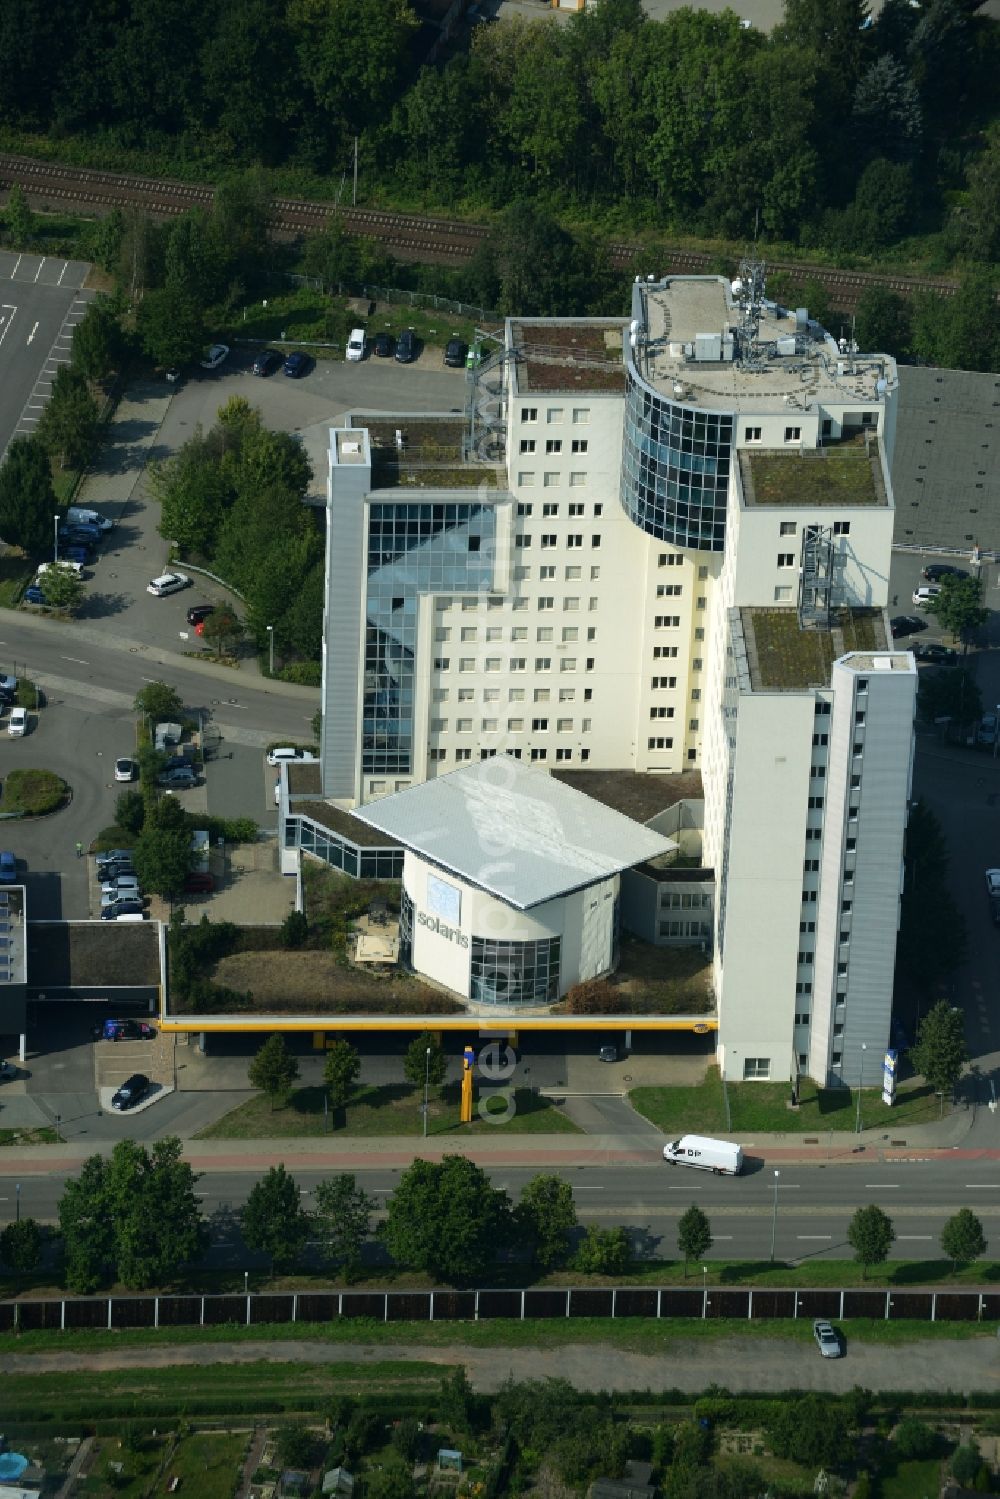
(33,792)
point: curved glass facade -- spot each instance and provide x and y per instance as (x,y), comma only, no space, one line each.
(515,973)
(675,467)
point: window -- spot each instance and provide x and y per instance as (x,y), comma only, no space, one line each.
(658,683)
(756,1069)
(546,572)
(554,415)
(442,634)
(590,663)
(571,574)
(792,434)
(524,509)
(787,528)
(579,444)
(515,725)
(595,572)
(664,652)
(802,1017)
(859,717)
(588,693)
(543,633)
(543,663)
(441,663)
(491,694)
(493,663)
(539,725)
(841,528)
(567,694)
(519,632)
(783,594)
(546,601)
(463,754)
(818,772)
(570,633)
(517,663)
(440,695)
(468,632)
(669,559)
(661,712)
(515,695)
(568,663)
(437,755)
(659,744)
(577,478)
(539,754)
(581,416)
(553,445)
(466,663)
(862,684)
(574,542)
(804,988)
(527,445)
(821,739)
(489,726)
(811,866)
(439,725)
(550,508)
(595,540)
(548,541)
(564,754)
(541,694)
(564,726)
(463,725)
(786,559)
(696,694)
(666,621)
(668,590)
(695,664)
(576,506)
(806,959)
(751,434)
(693,724)
(598,510)
(529,413)
(551,479)
(571,603)
(493,633)
(585,754)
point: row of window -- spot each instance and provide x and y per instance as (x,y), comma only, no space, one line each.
(438,756)
(791,527)
(676,559)
(693,928)
(514,694)
(554,445)
(550,509)
(514,726)
(580,415)
(494,635)
(513,663)
(551,478)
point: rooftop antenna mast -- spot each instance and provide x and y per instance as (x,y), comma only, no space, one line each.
(749,289)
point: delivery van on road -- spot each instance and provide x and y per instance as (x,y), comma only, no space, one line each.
(720,1156)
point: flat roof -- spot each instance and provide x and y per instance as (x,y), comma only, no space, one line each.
(574,354)
(779,655)
(87,954)
(344,823)
(946,459)
(842,474)
(638,794)
(517,833)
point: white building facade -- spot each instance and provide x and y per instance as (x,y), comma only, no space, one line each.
(666,498)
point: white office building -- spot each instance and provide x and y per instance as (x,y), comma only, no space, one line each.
(655,544)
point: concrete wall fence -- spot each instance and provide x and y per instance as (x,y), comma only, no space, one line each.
(115,1312)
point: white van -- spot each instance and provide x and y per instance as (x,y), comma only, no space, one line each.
(719,1156)
(47,567)
(131,916)
(79,515)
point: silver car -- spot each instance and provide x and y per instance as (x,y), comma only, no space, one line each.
(826,1340)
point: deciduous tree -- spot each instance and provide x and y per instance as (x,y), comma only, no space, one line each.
(694,1235)
(274,1069)
(959,605)
(162,853)
(21,1246)
(159,702)
(546,1217)
(447,1218)
(962,1238)
(274,1221)
(340,1072)
(98,342)
(604,1251)
(871,1235)
(62,587)
(940,1051)
(418,1065)
(171,325)
(27,499)
(343,1220)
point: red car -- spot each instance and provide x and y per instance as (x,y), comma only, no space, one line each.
(197,884)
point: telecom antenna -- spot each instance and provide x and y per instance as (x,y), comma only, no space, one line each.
(750,290)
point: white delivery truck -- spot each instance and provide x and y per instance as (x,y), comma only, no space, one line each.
(720,1156)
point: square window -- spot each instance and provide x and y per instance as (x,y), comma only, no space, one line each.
(546,601)
(494,632)
(519,632)
(527,445)
(793,434)
(787,528)
(576,506)
(783,593)
(515,725)
(567,663)
(539,754)
(539,725)
(554,415)
(543,663)
(581,415)
(515,694)
(489,726)
(493,663)
(548,541)
(529,413)
(526,479)
(571,604)
(553,445)
(551,479)
(570,632)
(786,559)
(468,632)
(564,726)
(580,444)
(751,434)
(567,694)
(463,754)
(551,507)
(546,571)
(841,528)
(572,574)
(463,725)
(577,478)
(564,754)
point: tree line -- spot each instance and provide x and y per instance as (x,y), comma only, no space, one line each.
(834,130)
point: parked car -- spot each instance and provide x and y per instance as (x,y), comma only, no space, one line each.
(8,867)
(992,882)
(126,770)
(7,684)
(267,362)
(167,583)
(922,596)
(906,624)
(47,567)
(936,655)
(278,756)
(7,1071)
(199,883)
(118,885)
(126,905)
(383,345)
(406,346)
(123,1030)
(34,595)
(76,553)
(215,356)
(608,1053)
(987,730)
(114,856)
(82,533)
(356,345)
(826,1340)
(131,1092)
(455,353)
(17,723)
(939,570)
(173,375)
(181,778)
(199,612)
(296,365)
(77,514)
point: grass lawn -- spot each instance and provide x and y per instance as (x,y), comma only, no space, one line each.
(306,316)
(43,1135)
(138,1468)
(207,1464)
(391,1110)
(912,1480)
(764,1107)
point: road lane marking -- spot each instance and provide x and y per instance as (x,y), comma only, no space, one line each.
(32,333)
(39,271)
(814,1236)
(913,1237)
(881,1186)
(587,1189)
(982,1186)
(76,659)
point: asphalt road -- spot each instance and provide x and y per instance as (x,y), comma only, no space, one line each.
(40,302)
(814,1204)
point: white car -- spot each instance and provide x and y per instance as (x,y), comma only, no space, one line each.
(279,756)
(215,356)
(826,1340)
(48,567)
(167,583)
(125,770)
(993,882)
(356,345)
(923,595)
(17,723)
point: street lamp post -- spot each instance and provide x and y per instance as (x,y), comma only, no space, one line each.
(704,1292)
(774,1214)
(246,1282)
(55,545)
(861,1083)
(427,1084)
(17,1199)
(270,650)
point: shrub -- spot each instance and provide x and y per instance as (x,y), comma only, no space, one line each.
(232,829)
(914,1438)
(593,997)
(604,1251)
(294,929)
(305,673)
(33,792)
(27,695)
(130,811)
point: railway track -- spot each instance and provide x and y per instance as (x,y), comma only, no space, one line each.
(409,236)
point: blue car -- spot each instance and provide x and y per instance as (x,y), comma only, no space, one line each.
(34,595)
(8,868)
(77,554)
(296,365)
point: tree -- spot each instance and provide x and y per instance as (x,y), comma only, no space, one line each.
(340,1072)
(87,1232)
(446,1218)
(913,1438)
(940,1051)
(159,702)
(130,811)
(21,1246)
(962,1238)
(162,853)
(694,1235)
(604,1251)
(274,1069)
(811,1430)
(343,1220)
(27,499)
(98,343)
(274,1220)
(967,1466)
(456,1400)
(62,587)
(882,322)
(68,425)
(294,929)
(417,1065)
(959,605)
(871,1235)
(170,325)
(194,494)
(295,1446)
(19,219)
(393,1480)
(546,1216)
(222,629)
